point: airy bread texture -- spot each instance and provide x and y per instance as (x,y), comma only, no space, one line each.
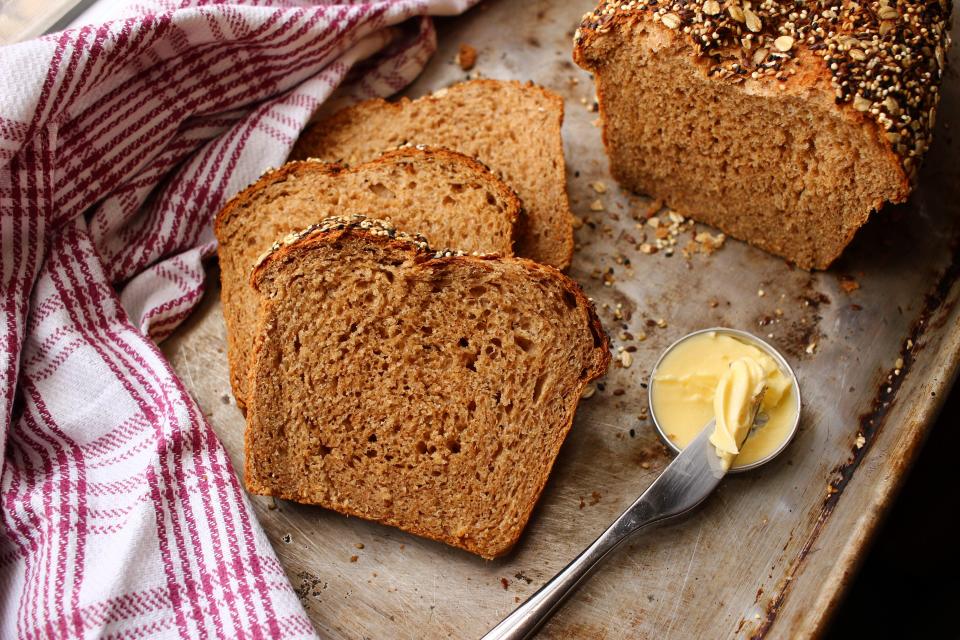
(784,125)
(512,128)
(429,391)
(449,197)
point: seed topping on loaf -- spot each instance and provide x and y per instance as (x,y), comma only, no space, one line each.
(885,57)
(373,226)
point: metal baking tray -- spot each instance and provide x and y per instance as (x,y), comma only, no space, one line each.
(875,342)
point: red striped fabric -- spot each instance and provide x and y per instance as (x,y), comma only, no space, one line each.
(120,513)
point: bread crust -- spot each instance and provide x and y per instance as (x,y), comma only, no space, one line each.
(423,257)
(311,139)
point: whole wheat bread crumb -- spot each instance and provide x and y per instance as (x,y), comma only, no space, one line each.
(511,127)
(451,198)
(430,394)
(466,57)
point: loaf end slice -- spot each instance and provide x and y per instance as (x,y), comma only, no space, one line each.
(783,129)
(429,391)
(451,198)
(511,127)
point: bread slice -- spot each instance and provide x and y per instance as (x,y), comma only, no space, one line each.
(429,391)
(781,126)
(446,195)
(511,127)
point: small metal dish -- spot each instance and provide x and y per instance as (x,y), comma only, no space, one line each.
(760,344)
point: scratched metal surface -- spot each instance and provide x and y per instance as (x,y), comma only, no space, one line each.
(770,553)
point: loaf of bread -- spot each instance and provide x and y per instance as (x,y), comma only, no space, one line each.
(512,128)
(448,196)
(785,124)
(429,391)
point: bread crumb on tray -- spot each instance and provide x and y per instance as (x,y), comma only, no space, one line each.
(466,57)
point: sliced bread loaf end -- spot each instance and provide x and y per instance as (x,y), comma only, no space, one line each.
(427,391)
(786,134)
(513,128)
(451,198)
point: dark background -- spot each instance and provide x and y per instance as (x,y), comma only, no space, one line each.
(908,585)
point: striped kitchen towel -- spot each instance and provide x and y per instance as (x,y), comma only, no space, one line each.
(121,515)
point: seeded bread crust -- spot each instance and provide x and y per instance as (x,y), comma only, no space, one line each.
(546,229)
(361,223)
(419,256)
(234,283)
(871,66)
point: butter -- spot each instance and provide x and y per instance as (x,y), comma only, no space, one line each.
(716,375)
(733,403)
